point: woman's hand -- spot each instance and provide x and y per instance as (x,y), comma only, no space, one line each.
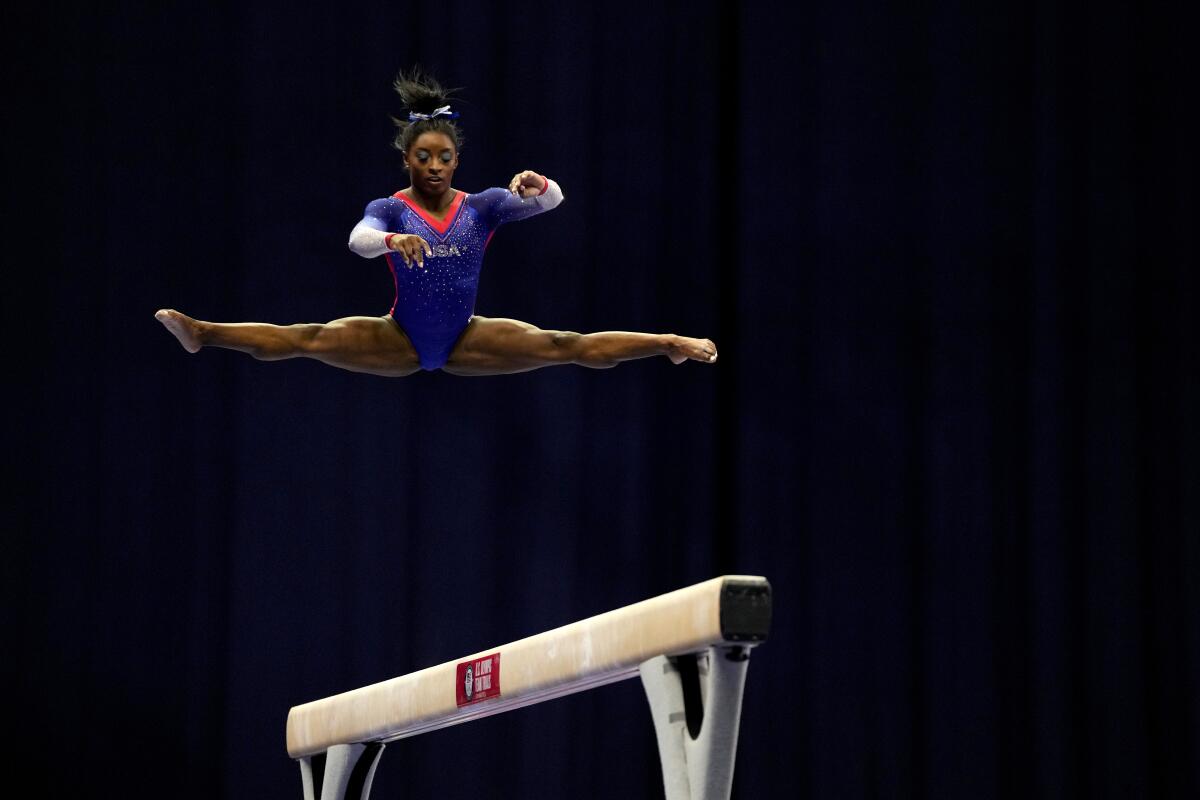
(527,184)
(410,247)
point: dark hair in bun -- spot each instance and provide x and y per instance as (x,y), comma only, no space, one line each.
(422,94)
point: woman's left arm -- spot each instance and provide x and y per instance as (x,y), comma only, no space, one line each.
(528,193)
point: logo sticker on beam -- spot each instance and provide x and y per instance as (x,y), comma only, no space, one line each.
(478,680)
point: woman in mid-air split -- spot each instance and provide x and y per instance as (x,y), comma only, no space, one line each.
(434,237)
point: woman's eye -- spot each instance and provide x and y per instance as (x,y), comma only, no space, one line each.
(447,158)
(422,157)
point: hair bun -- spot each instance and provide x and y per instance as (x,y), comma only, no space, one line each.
(426,103)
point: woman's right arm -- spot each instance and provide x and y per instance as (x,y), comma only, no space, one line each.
(369,237)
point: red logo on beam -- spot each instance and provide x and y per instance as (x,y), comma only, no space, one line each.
(478,679)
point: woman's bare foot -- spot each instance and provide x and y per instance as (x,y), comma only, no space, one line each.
(186,329)
(681,348)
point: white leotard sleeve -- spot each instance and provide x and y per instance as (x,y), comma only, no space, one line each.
(368,241)
(551,197)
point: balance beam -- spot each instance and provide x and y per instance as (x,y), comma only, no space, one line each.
(690,647)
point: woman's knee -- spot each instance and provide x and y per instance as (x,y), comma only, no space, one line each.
(267,342)
(565,341)
(567,346)
(579,349)
(316,339)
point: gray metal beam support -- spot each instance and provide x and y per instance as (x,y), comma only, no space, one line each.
(696,704)
(347,774)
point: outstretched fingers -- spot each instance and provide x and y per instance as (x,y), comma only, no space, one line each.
(412,248)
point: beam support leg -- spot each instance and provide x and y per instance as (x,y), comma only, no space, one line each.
(696,704)
(344,772)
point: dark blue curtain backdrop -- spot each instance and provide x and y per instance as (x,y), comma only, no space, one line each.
(947,251)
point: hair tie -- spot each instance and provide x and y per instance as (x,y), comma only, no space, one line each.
(444,111)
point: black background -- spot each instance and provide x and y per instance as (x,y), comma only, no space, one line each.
(947,252)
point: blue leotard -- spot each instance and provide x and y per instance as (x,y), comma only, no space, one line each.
(433,305)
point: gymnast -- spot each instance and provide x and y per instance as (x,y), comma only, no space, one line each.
(434,237)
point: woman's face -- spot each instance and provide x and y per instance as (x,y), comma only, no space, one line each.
(431,161)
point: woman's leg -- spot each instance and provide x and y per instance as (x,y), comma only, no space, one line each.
(499,346)
(374,345)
